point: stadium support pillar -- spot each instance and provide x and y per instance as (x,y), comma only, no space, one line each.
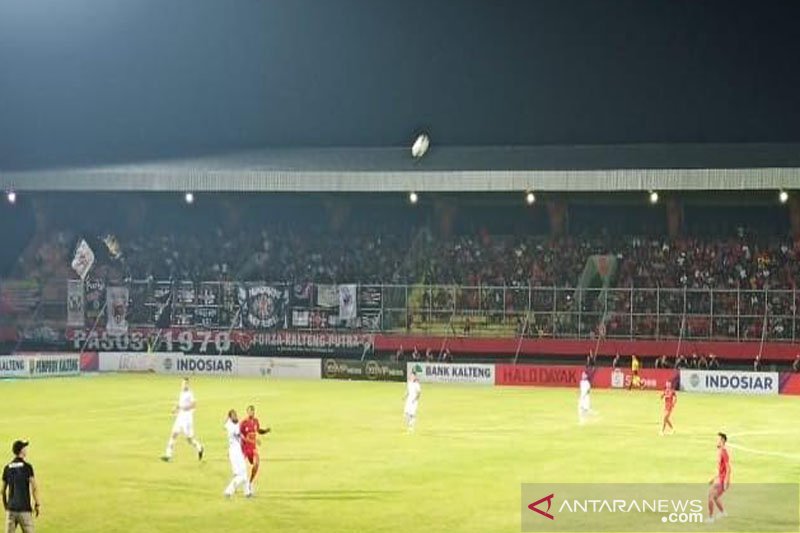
(557,213)
(674,218)
(794,215)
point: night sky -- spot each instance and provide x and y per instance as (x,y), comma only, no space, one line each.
(88,81)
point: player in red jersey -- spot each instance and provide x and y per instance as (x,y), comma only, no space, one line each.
(250,428)
(721,482)
(670,398)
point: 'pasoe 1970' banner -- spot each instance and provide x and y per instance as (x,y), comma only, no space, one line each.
(202,341)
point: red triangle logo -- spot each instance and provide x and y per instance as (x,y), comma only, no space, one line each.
(546,514)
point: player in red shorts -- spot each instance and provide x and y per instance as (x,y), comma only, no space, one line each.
(670,398)
(721,482)
(250,429)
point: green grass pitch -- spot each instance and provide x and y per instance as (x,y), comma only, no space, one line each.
(339,460)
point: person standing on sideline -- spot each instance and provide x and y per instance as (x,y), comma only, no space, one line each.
(18,487)
(184,422)
(584,401)
(413,392)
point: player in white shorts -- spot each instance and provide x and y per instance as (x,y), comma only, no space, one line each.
(585,401)
(413,392)
(236,456)
(184,422)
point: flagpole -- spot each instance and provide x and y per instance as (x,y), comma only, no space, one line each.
(94,327)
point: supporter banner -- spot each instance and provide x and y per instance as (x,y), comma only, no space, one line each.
(301,293)
(327,296)
(363,370)
(453,373)
(538,376)
(348,307)
(279,367)
(94,297)
(140,340)
(117,310)
(790,383)
(40,335)
(199,341)
(13,366)
(19,296)
(301,318)
(299,342)
(729,381)
(621,378)
(75,307)
(369,297)
(263,306)
(50,365)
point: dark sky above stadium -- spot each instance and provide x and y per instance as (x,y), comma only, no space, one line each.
(85,81)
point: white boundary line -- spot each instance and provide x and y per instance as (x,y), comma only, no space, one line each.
(790,456)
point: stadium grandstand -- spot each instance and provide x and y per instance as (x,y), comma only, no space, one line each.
(659,250)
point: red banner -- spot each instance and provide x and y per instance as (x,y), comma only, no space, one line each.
(621,378)
(771,351)
(570,376)
(538,376)
(790,383)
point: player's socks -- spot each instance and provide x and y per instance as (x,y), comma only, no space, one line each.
(168,452)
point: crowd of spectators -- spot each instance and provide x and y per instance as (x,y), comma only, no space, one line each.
(410,256)
(493,271)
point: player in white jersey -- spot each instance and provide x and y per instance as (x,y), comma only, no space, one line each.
(184,422)
(413,392)
(585,401)
(236,456)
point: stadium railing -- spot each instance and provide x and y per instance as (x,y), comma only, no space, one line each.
(38,307)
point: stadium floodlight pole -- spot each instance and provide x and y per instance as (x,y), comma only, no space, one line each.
(520,339)
(683,325)
(764,322)
(446,336)
(524,325)
(154,346)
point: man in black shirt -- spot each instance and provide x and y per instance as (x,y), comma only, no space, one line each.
(18,485)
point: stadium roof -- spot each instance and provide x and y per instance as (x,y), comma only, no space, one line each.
(505,168)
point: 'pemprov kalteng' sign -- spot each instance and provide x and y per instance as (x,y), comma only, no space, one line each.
(453,373)
(40,365)
(730,382)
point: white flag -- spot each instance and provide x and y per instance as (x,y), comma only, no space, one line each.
(84,259)
(347,302)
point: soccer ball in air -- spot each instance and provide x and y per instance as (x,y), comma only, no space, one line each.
(420,146)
